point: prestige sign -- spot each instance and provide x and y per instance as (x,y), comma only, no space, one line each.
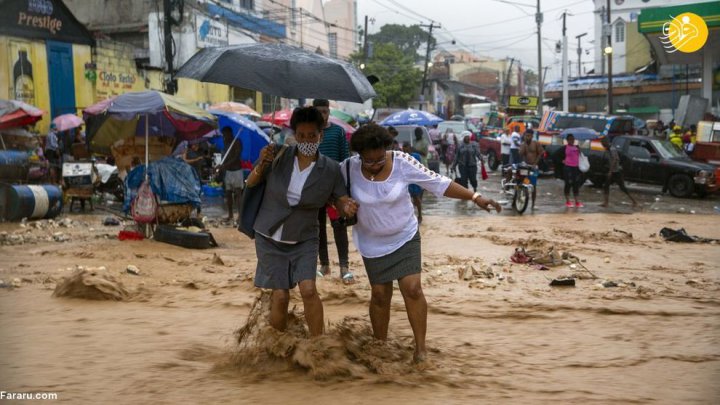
(42,19)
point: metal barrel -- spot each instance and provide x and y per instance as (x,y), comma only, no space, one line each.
(31,202)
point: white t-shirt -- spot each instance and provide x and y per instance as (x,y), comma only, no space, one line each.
(505,142)
(515,140)
(386,217)
(297,182)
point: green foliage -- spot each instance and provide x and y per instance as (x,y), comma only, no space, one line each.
(399,79)
(411,41)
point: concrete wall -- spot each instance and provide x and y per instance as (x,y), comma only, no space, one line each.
(342,13)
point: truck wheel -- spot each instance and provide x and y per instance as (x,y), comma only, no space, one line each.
(493,161)
(680,185)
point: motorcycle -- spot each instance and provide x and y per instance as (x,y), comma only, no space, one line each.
(516,183)
(109,181)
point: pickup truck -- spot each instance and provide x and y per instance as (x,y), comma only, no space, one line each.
(648,160)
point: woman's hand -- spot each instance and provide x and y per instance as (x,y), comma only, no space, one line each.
(487,204)
(267,154)
(349,207)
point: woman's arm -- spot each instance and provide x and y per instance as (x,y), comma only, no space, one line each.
(267,154)
(461,193)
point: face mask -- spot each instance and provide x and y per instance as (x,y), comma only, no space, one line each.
(308,149)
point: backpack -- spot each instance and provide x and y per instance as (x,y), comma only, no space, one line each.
(144,207)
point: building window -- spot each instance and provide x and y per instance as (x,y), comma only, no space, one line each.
(248,4)
(620,31)
(332,43)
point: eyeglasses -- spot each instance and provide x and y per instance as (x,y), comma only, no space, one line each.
(368,163)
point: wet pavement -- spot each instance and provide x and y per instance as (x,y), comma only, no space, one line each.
(550,200)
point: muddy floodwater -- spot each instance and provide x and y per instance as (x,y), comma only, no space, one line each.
(642,324)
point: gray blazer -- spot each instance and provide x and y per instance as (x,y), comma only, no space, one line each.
(300,221)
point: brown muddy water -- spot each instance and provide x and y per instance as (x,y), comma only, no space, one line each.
(175,337)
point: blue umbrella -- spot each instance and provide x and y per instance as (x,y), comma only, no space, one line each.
(411,117)
(581,134)
(252,137)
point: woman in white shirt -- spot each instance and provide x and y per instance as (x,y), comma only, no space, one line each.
(386,234)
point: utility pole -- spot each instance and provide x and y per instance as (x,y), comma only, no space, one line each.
(565,92)
(579,51)
(507,82)
(168,40)
(301,27)
(365,35)
(539,20)
(609,62)
(427,59)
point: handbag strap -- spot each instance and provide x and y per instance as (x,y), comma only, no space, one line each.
(347,175)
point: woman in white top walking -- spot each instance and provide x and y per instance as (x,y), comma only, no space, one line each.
(386,234)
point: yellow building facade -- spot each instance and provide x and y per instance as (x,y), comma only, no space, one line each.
(48,59)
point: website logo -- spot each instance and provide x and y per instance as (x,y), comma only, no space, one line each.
(685,33)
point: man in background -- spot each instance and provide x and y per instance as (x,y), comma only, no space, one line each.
(333,145)
(232,168)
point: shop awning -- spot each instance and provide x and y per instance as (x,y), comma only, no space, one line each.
(651,109)
(474,96)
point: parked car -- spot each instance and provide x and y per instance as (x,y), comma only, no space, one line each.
(490,147)
(406,133)
(648,160)
(458,127)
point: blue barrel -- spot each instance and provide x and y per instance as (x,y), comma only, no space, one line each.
(14,166)
(31,202)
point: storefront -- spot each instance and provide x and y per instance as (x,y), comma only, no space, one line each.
(44,54)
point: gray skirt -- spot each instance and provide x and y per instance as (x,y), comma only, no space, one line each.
(396,265)
(281,266)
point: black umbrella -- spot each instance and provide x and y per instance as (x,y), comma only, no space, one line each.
(279,70)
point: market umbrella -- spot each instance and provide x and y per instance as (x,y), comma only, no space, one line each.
(15,113)
(67,121)
(411,117)
(349,129)
(342,115)
(233,107)
(280,70)
(147,113)
(280,118)
(581,134)
(252,137)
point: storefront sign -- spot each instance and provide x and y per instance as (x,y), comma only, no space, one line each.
(210,32)
(113,83)
(42,19)
(522,102)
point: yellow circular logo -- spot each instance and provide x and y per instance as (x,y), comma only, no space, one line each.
(685,33)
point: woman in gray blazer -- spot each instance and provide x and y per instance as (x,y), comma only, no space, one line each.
(299,183)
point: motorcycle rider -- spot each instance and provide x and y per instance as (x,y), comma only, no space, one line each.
(530,153)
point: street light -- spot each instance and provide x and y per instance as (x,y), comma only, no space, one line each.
(608,50)
(430,64)
(362,66)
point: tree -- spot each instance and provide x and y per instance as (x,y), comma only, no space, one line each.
(399,79)
(531,82)
(411,41)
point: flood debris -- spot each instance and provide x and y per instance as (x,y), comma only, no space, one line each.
(562,282)
(92,285)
